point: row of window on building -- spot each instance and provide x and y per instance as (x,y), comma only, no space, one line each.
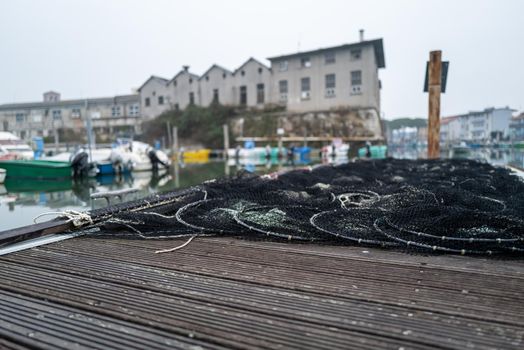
(329,58)
(305,88)
(116,111)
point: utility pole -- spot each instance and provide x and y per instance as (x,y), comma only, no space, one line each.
(434,89)
(175,142)
(55,132)
(225,128)
(169,135)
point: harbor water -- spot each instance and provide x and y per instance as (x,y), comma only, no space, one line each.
(22,201)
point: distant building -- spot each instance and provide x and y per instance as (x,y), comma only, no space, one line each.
(153,97)
(488,125)
(184,90)
(344,76)
(517,127)
(449,129)
(404,136)
(333,77)
(108,114)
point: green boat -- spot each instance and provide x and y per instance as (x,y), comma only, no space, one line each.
(36,169)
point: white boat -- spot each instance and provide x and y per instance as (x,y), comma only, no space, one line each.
(336,150)
(13,146)
(2,175)
(138,156)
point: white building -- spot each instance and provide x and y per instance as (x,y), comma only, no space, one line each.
(153,96)
(450,130)
(334,77)
(108,115)
(490,124)
(184,89)
(344,76)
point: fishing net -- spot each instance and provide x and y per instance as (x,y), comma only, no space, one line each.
(455,206)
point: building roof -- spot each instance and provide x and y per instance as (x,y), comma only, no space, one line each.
(518,117)
(213,67)
(446,120)
(377,44)
(76,102)
(152,78)
(250,59)
(183,71)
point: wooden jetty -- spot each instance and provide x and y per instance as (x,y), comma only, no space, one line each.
(218,293)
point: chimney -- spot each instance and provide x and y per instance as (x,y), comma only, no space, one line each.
(361,34)
(186,68)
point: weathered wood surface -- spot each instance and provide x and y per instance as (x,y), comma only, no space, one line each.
(229,293)
(435,80)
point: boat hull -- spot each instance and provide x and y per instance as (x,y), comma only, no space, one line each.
(2,175)
(36,169)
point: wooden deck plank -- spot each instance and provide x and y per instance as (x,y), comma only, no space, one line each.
(247,294)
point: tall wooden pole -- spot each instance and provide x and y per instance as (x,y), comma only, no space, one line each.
(434,87)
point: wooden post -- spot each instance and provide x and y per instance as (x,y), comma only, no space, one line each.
(175,142)
(225,128)
(434,87)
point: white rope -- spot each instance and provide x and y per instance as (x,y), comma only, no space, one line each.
(177,247)
(76,217)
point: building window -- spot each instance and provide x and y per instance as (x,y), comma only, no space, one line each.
(282,89)
(330,81)
(224,75)
(243,95)
(259,70)
(330,85)
(147,102)
(215,95)
(57,115)
(282,86)
(356,54)
(174,82)
(305,88)
(160,100)
(356,77)
(75,113)
(207,77)
(190,80)
(356,82)
(305,62)
(191,98)
(20,117)
(329,57)
(282,66)
(134,110)
(260,93)
(242,73)
(37,118)
(115,111)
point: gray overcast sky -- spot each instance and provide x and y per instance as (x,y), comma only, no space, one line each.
(106,47)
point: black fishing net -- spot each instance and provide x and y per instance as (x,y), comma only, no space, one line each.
(455,206)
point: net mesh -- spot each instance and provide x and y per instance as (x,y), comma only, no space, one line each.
(455,206)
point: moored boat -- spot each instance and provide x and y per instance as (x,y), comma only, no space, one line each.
(37,169)
(12,146)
